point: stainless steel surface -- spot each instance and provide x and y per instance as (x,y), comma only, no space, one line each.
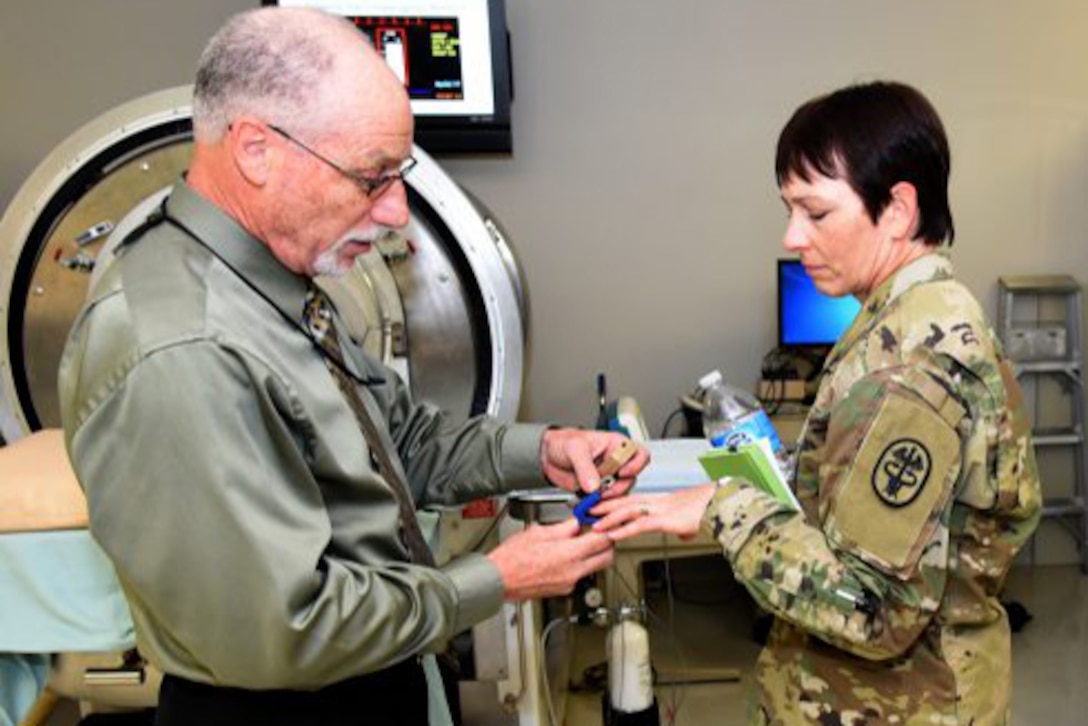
(435,303)
(114,677)
(541,506)
(498,295)
(489,654)
(444,310)
(68,677)
(92,177)
(48,315)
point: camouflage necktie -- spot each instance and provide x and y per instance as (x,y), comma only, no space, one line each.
(318,319)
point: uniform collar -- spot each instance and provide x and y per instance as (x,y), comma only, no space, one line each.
(931,267)
(928,268)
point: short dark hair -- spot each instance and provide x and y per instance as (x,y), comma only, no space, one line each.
(873,136)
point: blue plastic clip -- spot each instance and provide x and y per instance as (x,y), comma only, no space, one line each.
(589,501)
(581,510)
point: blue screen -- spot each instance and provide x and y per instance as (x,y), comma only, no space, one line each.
(805,315)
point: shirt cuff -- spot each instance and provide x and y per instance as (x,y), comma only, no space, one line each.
(727,487)
(520,452)
(479,589)
(734,512)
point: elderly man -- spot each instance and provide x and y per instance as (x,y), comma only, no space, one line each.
(250,472)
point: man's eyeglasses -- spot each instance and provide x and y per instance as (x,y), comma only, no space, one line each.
(373,187)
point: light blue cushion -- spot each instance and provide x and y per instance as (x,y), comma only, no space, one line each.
(22,678)
(58,592)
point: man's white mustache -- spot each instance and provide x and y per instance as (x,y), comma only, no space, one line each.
(329,263)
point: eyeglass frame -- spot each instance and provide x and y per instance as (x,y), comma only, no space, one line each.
(373,188)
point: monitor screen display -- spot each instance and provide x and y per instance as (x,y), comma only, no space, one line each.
(452,57)
(807,317)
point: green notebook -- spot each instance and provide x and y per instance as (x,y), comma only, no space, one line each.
(752,463)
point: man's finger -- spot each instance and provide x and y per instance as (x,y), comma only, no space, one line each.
(636,464)
(581,461)
(566,529)
(592,542)
(597,562)
(563,479)
(618,488)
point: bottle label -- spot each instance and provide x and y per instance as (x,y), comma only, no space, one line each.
(747,431)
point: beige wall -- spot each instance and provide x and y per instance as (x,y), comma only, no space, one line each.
(63,63)
(640,196)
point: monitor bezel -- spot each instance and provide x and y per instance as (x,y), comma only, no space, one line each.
(470,134)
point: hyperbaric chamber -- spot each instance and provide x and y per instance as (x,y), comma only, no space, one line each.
(445,306)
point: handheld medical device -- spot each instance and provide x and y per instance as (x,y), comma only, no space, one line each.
(609,470)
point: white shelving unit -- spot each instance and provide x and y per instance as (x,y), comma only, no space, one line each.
(1039,321)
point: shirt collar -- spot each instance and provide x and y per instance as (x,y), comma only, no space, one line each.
(253,261)
(247,256)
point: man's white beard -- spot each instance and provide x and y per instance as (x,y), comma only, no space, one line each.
(330,264)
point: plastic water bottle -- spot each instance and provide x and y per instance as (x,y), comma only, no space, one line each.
(733,418)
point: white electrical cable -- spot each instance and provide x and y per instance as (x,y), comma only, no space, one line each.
(542,657)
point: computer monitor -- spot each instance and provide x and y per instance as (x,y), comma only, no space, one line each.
(806,316)
(453,57)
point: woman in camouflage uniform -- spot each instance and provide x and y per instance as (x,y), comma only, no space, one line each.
(915,470)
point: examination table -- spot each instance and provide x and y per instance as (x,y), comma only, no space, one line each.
(64,624)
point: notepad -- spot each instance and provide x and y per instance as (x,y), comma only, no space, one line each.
(753,463)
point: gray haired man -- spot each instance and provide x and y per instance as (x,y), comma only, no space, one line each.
(250,472)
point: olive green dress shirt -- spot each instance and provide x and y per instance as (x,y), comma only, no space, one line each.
(229,482)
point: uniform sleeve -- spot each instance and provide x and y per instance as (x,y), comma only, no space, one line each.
(450,461)
(869,575)
(201,492)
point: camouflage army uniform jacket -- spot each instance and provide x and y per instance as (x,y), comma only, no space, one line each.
(918,483)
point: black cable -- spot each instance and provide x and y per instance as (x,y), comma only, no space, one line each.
(776,368)
(668,420)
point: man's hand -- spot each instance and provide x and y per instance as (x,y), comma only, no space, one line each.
(547,561)
(569,458)
(679,513)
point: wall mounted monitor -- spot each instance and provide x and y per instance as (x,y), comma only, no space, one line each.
(452,56)
(806,316)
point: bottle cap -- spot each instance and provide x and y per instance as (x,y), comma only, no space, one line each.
(710,379)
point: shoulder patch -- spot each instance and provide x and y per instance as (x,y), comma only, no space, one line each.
(889,502)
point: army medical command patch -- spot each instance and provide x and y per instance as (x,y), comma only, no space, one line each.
(889,500)
(901,472)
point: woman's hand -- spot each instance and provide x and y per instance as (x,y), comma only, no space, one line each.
(679,513)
